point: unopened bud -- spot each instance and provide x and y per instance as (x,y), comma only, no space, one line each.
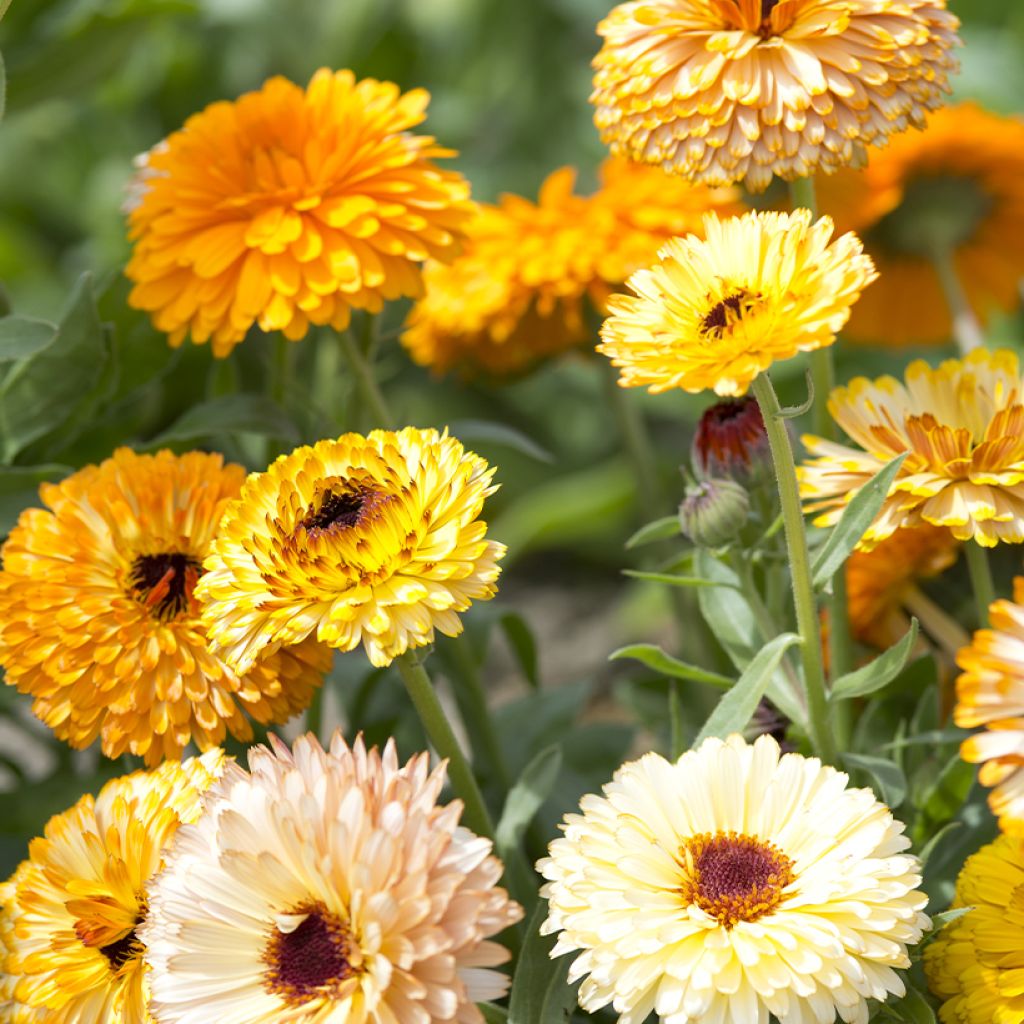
(731,442)
(714,512)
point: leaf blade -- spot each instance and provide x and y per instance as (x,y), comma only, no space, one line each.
(655,658)
(541,993)
(877,673)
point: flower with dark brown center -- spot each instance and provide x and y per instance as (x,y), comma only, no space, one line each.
(731,441)
(164,583)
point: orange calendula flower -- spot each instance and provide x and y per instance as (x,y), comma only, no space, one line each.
(957,187)
(74,953)
(713,313)
(962,424)
(730,90)
(990,693)
(100,624)
(290,207)
(519,291)
(370,540)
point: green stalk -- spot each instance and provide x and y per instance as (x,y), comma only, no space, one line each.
(439,731)
(981,579)
(808,626)
(677,726)
(966,329)
(362,370)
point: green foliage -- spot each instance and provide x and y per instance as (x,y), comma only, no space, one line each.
(540,993)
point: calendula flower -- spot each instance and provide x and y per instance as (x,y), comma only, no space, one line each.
(370,540)
(519,291)
(972,964)
(882,585)
(12,1009)
(327,886)
(99,620)
(990,693)
(962,424)
(955,188)
(713,313)
(731,441)
(290,207)
(733,884)
(730,90)
(80,900)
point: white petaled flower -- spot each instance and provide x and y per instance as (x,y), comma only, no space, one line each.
(734,884)
(323,887)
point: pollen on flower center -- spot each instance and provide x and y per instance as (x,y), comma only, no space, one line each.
(120,952)
(341,510)
(724,313)
(734,877)
(164,582)
(312,959)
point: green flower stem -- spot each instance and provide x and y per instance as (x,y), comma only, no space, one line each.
(981,579)
(431,714)
(362,370)
(819,726)
(676,720)
(637,440)
(966,329)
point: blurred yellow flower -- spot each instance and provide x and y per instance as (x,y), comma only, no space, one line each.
(370,540)
(728,90)
(714,313)
(99,621)
(519,291)
(973,963)
(957,186)
(81,896)
(963,426)
(12,1009)
(289,207)
(990,693)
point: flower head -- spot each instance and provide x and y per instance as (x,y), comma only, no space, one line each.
(288,207)
(374,540)
(99,620)
(79,901)
(962,424)
(341,889)
(519,291)
(732,884)
(714,512)
(990,693)
(730,90)
(12,1009)
(956,187)
(714,313)
(971,964)
(731,441)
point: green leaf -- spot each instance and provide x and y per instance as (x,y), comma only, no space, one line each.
(19,488)
(661,529)
(929,847)
(737,707)
(940,921)
(524,646)
(654,657)
(40,393)
(878,673)
(671,579)
(541,993)
(856,518)
(525,798)
(3,80)
(493,1014)
(891,782)
(230,414)
(4,4)
(913,1008)
(22,336)
(471,432)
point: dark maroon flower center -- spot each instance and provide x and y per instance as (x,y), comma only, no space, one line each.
(718,317)
(164,582)
(311,960)
(120,952)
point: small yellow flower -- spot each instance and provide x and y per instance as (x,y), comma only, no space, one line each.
(12,1009)
(959,185)
(100,624)
(290,207)
(370,540)
(79,900)
(713,313)
(730,90)
(963,426)
(973,964)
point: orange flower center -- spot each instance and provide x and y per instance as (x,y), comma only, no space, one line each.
(734,877)
(164,583)
(312,959)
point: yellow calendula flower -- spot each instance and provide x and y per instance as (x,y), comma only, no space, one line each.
(973,963)
(327,886)
(78,902)
(370,540)
(990,693)
(732,884)
(731,90)
(12,1009)
(962,424)
(713,313)
(959,187)
(100,624)
(519,291)
(290,207)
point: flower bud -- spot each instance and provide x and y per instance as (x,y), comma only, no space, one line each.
(714,512)
(731,442)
